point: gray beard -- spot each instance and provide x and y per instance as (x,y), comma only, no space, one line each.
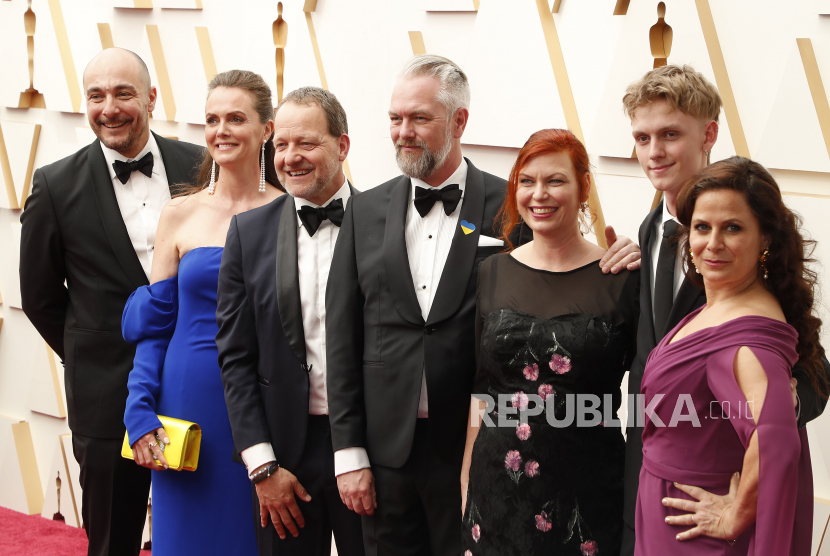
(425,165)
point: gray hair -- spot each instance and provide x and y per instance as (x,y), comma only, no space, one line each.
(335,115)
(455,88)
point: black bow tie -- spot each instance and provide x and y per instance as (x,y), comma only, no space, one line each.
(425,198)
(312,217)
(124,169)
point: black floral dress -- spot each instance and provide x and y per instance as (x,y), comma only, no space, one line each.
(536,488)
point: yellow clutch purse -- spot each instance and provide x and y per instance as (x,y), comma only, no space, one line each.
(185,440)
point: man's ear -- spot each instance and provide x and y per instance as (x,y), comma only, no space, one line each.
(153,94)
(710,134)
(344,143)
(459,122)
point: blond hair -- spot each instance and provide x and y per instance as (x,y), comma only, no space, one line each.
(681,86)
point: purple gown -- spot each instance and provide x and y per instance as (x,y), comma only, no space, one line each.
(696,376)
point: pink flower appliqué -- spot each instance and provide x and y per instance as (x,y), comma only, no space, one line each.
(531,468)
(543,522)
(476,531)
(560,364)
(545,391)
(513,460)
(531,372)
(588,548)
(523,431)
(520,400)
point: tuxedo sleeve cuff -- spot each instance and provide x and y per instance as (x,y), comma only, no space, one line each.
(350,459)
(256,455)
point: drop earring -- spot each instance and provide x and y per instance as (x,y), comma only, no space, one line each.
(212,184)
(692,258)
(763,261)
(262,170)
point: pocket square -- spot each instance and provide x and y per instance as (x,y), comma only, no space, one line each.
(487,241)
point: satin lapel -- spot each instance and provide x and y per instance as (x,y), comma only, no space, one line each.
(459,266)
(684,303)
(646,270)
(288,280)
(173,166)
(111,217)
(395,258)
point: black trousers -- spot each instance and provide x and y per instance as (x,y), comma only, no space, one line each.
(419,505)
(115,492)
(324,515)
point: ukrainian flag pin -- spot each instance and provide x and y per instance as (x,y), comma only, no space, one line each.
(467,227)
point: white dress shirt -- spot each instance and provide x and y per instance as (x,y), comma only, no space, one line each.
(428,242)
(140,200)
(679,272)
(313,263)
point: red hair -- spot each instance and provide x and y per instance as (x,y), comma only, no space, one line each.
(542,142)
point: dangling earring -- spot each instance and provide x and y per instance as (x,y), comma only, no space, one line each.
(262,170)
(583,207)
(212,184)
(692,256)
(763,261)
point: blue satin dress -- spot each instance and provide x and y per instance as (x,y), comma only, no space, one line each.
(176,374)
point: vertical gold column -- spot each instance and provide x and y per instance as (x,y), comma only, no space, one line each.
(28,466)
(206,49)
(566,97)
(730,107)
(416,39)
(817,90)
(66,54)
(105,33)
(161,71)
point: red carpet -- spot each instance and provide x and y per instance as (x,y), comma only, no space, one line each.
(25,535)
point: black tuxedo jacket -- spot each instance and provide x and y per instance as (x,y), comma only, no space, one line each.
(688,298)
(261,340)
(377,342)
(73,232)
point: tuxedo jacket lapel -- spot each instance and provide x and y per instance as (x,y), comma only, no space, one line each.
(173,165)
(288,281)
(646,269)
(114,226)
(684,303)
(459,265)
(395,258)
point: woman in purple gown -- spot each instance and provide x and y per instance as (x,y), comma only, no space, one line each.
(718,383)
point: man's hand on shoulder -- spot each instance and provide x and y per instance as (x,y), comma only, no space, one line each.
(622,253)
(357,490)
(276,498)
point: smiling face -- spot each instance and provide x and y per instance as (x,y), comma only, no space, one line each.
(671,145)
(233,132)
(119,101)
(420,129)
(308,159)
(725,238)
(548,194)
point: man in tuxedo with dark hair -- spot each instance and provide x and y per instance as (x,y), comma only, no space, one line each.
(87,243)
(272,328)
(400,320)
(674,115)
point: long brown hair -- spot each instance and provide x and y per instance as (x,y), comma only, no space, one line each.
(544,142)
(790,279)
(260,94)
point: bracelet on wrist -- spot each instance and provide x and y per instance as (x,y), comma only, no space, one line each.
(264,473)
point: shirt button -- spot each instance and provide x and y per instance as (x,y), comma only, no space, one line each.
(423,287)
(430,237)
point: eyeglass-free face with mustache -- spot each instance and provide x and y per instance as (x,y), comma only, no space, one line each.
(420,128)
(118,103)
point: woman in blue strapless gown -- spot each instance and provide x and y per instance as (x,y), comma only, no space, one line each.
(173,324)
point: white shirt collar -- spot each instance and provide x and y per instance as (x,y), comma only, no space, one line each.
(343,193)
(666,217)
(150,147)
(459,177)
